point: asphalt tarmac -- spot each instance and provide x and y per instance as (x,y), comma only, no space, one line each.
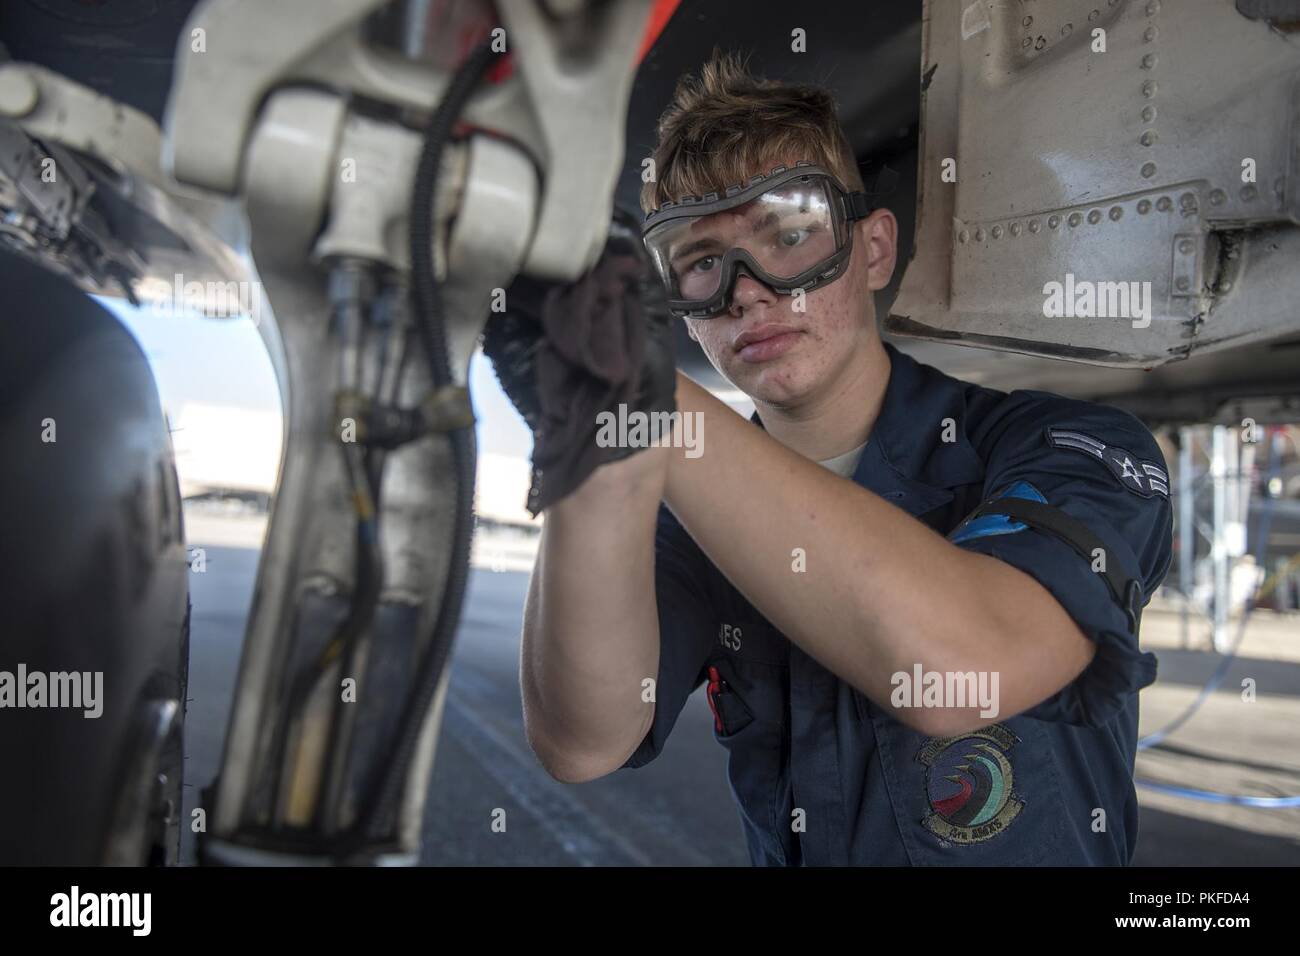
(678,810)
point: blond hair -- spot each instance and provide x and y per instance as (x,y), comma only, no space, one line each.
(725,125)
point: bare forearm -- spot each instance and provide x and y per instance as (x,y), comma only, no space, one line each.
(856,582)
(591,633)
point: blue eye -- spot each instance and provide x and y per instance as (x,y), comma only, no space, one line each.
(704,264)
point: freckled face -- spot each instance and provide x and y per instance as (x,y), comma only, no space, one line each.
(783,357)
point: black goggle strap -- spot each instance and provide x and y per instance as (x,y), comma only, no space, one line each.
(857,206)
(860,205)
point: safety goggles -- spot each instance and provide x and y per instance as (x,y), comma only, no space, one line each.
(790,230)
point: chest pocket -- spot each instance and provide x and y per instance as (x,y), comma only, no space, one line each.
(987,798)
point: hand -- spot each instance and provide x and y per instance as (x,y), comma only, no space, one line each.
(565,352)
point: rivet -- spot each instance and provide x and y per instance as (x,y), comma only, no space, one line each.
(1187,200)
(1116,213)
(1040,42)
(1075,219)
(1034,226)
(1248,193)
(963,235)
(1164,204)
(1153,8)
(1094,217)
(979,235)
(1026,21)
(1225,285)
(1217,197)
(1185,246)
(997,232)
(1148,170)
(1014,229)
(1026,41)
(1148,138)
(1148,113)
(1149,89)
(1182,283)
(1053,221)
(1094,14)
(1150,34)
(1149,61)
(1144,206)
(1065,30)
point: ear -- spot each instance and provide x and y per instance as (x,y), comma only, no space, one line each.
(879,235)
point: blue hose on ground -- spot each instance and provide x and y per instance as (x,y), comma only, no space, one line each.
(1210,796)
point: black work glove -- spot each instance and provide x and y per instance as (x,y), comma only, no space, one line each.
(565,352)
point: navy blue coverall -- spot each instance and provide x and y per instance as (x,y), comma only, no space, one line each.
(824,776)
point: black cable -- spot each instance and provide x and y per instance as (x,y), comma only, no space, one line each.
(429,318)
(430,323)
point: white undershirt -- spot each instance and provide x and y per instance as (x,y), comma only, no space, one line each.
(844,465)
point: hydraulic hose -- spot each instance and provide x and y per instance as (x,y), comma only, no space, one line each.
(379,809)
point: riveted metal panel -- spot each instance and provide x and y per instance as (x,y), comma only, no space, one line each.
(1100,142)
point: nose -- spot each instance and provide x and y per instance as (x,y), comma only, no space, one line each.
(748,293)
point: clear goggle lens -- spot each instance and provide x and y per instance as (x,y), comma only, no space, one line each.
(787,231)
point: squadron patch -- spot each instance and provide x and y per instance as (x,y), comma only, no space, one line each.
(970,784)
(1143,478)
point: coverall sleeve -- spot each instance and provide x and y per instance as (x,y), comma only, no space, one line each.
(1101,466)
(685,630)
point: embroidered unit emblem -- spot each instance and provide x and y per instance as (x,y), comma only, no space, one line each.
(970,783)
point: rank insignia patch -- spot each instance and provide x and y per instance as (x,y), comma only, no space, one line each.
(1143,478)
(970,784)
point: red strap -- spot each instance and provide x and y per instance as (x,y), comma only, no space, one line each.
(715,685)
